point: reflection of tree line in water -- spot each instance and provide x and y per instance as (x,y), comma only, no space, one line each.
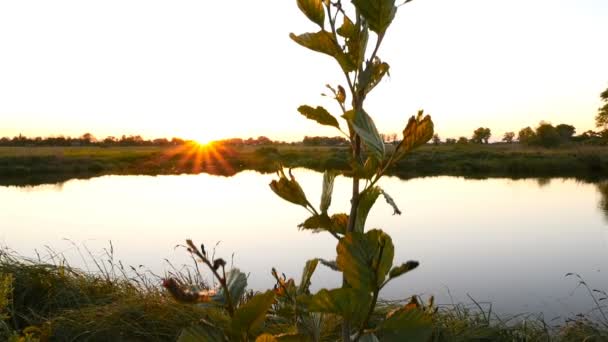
(602,188)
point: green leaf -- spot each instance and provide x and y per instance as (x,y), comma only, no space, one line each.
(365,259)
(364,126)
(402,269)
(314,10)
(236,282)
(391,202)
(419,131)
(348,29)
(373,74)
(318,223)
(324,42)
(366,202)
(406,325)
(320,115)
(370,167)
(378,13)
(249,317)
(309,269)
(346,302)
(328,188)
(289,189)
(201,332)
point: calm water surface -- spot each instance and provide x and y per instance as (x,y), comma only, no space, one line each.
(508,242)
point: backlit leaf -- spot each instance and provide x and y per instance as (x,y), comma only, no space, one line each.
(406,325)
(289,189)
(324,42)
(419,131)
(346,302)
(372,74)
(319,114)
(328,188)
(365,259)
(366,202)
(250,316)
(309,269)
(314,10)
(391,202)
(318,223)
(402,269)
(364,126)
(378,13)
(348,29)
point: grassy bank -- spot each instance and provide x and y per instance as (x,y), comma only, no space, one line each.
(59,303)
(35,165)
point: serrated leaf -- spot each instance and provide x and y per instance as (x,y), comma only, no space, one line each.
(289,189)
(366,202)
(319,114)
(378,13)
(402,269)
(419,131)
(324,42)
(313,9)
(391,202)
(318,223)
(250,316)
(309,269)
(373,73)
(328,188)
(346,302)
(364,126)
(406,325)
(365,259)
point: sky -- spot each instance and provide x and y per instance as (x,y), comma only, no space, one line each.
(207,70)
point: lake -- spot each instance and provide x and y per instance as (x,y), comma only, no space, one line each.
(501,241)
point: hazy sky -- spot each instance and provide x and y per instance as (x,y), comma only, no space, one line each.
(211,69)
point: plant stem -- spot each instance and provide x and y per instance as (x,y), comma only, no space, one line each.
(369,315)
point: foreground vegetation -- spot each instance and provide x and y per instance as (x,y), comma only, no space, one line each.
(55,302)
(35,165)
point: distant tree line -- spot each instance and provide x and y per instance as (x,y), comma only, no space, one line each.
(88,139)
(545,134)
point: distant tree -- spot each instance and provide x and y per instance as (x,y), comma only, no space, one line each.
(463,141)
(547,135)
(436,139)
(109,140)
(566,132)
(87,138)
(481,135)
(262,140)
(450,141)
(508,137)
(601,120)
(526,135)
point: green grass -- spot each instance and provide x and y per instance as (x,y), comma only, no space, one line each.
(60,303)
(33,165)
